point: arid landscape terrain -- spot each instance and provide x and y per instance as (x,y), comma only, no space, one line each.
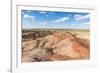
(55,45)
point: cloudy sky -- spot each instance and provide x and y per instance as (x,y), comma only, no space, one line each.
(50,19)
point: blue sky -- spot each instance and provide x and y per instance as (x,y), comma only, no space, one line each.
(50,19)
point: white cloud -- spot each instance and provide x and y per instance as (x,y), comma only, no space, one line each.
(85,23)
(26,12)
(77,15)
(80,17)
(26,16)
(61,19)
(28,21)
(43,12)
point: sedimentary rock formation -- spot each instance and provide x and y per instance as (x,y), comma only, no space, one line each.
(54,47)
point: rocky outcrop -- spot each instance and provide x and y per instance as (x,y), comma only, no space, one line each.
(54,47)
